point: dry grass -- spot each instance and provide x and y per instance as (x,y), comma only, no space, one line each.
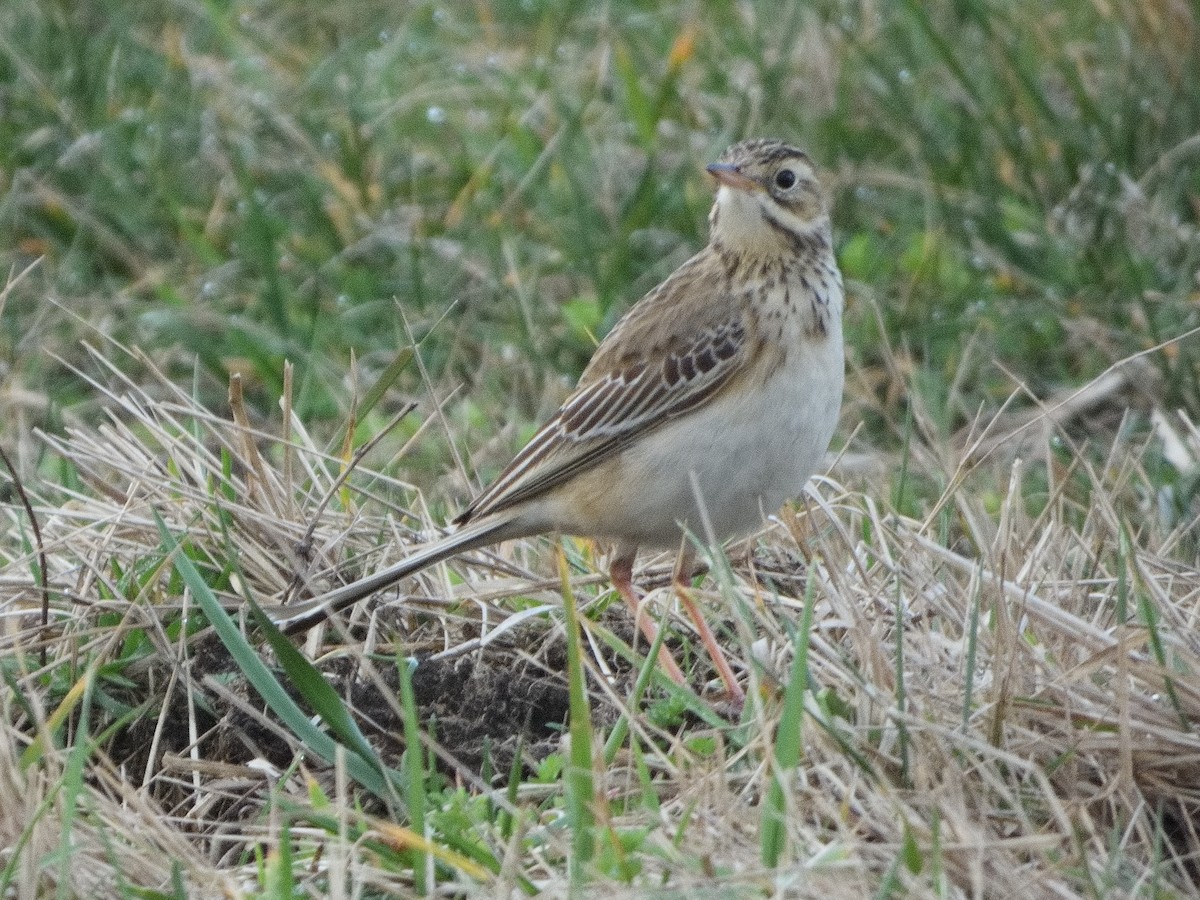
(1004,694)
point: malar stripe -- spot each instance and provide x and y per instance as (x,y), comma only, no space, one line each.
(797,241)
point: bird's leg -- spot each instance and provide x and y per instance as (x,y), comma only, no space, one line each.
(620,572)
(683,587)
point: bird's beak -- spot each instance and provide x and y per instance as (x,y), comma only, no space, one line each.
(729,175)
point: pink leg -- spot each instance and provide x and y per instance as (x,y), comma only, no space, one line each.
(683,570)
(621,574)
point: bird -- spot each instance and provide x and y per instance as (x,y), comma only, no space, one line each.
(708,405)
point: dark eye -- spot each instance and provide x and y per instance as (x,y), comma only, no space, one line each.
(785,178)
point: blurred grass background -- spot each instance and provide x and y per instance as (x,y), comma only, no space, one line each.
(232,184)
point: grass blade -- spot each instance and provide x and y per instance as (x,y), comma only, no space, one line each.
(369,774)
(578,780)
(789,738)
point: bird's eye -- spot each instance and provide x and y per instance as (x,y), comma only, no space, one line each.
(785,178)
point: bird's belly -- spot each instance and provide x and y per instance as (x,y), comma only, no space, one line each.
(744,454)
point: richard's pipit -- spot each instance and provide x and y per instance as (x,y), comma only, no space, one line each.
(716,395)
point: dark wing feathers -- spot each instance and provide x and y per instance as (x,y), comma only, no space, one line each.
(680,365)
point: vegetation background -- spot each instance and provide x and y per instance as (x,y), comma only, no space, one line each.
(190,190)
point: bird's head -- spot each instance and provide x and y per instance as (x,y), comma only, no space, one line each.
(769,200)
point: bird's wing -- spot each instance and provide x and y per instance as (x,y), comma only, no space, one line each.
(664,358)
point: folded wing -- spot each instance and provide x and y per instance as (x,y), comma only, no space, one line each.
(617,403)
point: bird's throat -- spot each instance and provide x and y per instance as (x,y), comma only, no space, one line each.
(753,226)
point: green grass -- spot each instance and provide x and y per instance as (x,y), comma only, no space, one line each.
(229,186)
(241,186)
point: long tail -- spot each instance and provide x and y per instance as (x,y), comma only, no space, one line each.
(476,534)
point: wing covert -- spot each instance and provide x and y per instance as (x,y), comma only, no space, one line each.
(610,410)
